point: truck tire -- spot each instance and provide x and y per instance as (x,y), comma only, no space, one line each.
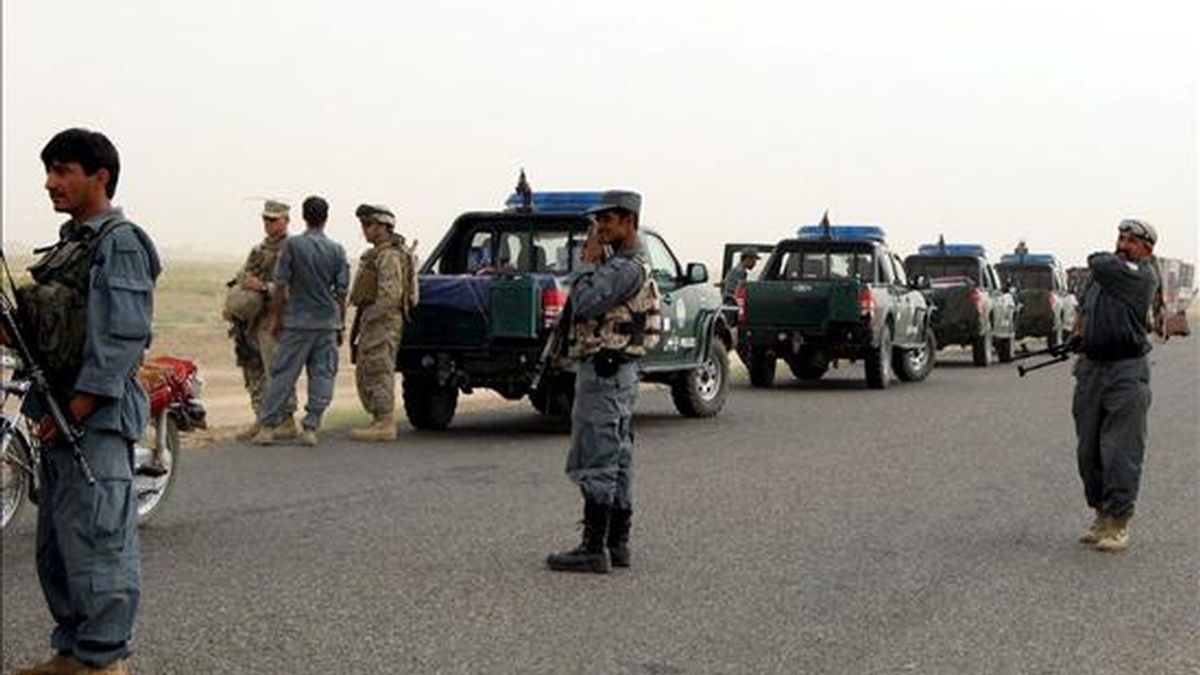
(878,363)
(429,406)
(1004,349)
(809,365)
(981,349)
(701,392)
(914,365)
(762,368)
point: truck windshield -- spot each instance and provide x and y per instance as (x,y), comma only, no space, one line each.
(824,264)
(943,268)
(509,248)
(1041,278)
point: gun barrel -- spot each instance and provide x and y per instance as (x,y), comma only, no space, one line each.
(1022,370)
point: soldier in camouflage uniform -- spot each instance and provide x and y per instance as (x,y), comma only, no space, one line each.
(247,309)
(384,292)
(614,314)
(1112,381)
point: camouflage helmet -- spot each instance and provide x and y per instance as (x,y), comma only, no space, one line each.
(242,304)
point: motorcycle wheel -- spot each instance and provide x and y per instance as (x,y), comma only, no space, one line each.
(151,491)
(15,478)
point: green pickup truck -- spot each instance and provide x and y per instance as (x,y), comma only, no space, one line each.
(971,307)
(835,292)
(494,289)
(1046,306)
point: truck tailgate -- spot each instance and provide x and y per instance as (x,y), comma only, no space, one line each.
(801,304)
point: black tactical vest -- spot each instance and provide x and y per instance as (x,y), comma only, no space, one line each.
(53,309)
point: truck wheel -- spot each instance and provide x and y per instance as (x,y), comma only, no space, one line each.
(914,365)
(809,366)
(762,368)
(879,362)
(701,392)
(981,349)
(1004,349)
(427,405)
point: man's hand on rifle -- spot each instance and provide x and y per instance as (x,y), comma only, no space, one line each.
(79,408)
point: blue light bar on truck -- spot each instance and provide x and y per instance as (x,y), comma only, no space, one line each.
(843,232)
(556,202)
(956,250)
(1029,259)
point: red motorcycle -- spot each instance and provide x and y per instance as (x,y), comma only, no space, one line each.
(174,387)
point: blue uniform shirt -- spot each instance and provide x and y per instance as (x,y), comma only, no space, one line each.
(315,270)
(609,284)
(120,311)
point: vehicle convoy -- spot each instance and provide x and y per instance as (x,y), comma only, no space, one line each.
(970,305)
(494,290)
(831,293)
(1046,307)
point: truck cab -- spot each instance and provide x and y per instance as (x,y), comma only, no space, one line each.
(833,293)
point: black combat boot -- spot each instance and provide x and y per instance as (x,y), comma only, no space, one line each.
(590,555)
(618,536)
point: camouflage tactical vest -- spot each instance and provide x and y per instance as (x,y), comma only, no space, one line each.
(365,288)
(632,327)
(54,307)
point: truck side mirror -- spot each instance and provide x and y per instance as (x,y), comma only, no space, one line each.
(697,273)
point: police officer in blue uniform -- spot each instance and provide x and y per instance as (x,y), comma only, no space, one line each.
(96,287)
(615,319)
(1112,381)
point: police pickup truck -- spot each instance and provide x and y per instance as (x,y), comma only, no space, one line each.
(1046,306)
(971,307)
(494,289)
(835,292)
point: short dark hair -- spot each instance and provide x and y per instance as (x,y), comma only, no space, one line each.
(315,210)
(91,149)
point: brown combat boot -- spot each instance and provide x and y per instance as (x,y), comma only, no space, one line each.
(249,432)
(268,434)
(1115,537)
(286,429)
(118,667)
(1095,531)
(382,429)
(61,664)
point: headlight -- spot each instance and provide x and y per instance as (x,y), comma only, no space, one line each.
(196,385)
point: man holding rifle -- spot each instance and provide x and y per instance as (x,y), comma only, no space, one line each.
(86,318)
(1112,389)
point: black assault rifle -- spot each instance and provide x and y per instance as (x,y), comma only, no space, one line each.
(554,346)
(37,376)
(1056,353)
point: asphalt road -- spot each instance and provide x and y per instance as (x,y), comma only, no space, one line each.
(815,528)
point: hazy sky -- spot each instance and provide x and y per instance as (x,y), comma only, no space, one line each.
(989,122)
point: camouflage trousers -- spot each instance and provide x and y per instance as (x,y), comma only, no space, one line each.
(257,376)
(1111,402)
(375,365)
(600,460)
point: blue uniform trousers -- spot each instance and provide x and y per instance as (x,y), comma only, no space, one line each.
(600,460)
(87,548)
(315,351)
(1110,406)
